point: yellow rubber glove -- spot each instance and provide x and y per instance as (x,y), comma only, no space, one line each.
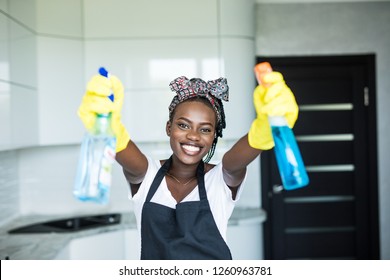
(274,100)
(96,101)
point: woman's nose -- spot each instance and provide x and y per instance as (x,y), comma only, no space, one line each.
(193,134)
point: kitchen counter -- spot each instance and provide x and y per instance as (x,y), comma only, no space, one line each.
(46,246)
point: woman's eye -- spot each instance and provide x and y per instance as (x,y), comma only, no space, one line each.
(183,125)
(206,130)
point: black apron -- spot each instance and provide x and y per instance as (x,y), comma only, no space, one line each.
(188,232)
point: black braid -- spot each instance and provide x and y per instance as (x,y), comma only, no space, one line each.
(211,151)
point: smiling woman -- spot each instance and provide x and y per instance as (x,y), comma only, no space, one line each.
(182,204)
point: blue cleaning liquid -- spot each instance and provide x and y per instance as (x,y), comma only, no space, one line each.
(289,160)
(97,155)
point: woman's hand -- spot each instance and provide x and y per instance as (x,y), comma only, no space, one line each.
(96,101)
(274,100)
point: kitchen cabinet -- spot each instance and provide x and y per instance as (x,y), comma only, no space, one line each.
(114,245)
(18,95)
(41,70)
(125,244)
(245,240)
(61,87)
(108,246)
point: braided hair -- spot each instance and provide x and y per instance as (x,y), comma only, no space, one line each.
(211,93)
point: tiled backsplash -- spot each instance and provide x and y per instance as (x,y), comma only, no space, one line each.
(47,177)
(9,190)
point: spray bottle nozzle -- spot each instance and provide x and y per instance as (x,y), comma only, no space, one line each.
(104,73)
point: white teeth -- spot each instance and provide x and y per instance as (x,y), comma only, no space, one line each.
(191,148)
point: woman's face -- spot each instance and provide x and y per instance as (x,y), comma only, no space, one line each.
(191,131)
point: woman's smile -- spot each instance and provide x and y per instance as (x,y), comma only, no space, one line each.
(191,149)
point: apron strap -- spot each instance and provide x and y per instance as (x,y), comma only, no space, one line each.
(200,178)
(158,178)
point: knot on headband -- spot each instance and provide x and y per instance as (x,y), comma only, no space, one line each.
(186,88)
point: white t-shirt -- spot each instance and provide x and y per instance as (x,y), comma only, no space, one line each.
(218,194)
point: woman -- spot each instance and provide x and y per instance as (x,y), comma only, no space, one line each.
(183,204)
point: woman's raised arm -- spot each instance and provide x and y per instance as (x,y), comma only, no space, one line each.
(273,100)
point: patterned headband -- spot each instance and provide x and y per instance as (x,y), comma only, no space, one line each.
(214,91)
(185,88)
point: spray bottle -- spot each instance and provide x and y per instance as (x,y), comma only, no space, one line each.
(97,154)
(288,157)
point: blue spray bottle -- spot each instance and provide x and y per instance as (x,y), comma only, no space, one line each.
(97,154)
(288,157)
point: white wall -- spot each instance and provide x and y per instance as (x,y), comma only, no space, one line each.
(342,28)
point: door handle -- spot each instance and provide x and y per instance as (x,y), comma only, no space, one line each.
(277,189)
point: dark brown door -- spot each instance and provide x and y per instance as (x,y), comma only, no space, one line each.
(336,215)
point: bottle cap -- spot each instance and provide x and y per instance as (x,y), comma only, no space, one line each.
(260,70)
(104,73)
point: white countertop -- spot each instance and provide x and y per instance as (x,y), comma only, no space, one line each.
(46,246)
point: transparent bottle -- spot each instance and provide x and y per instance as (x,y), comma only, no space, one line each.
(97,155)
(288,156)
